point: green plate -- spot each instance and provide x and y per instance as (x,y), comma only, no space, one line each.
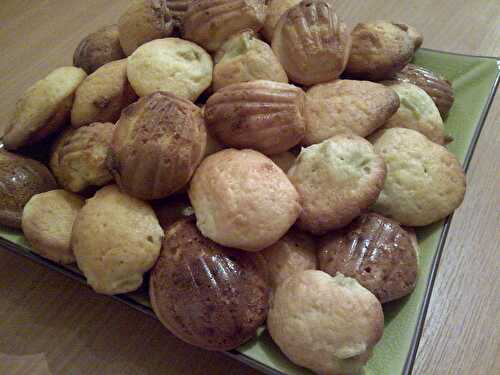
(475,80)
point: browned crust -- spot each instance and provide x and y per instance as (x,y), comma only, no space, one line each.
(205,294)
(262,115)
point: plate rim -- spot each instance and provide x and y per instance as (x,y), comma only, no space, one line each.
(423,309)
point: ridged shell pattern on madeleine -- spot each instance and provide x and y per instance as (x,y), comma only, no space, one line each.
(208,295)
(210,22)
(263,115)
(311,42)
(158,143)
(435,85)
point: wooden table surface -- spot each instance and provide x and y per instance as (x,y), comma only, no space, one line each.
(50,324)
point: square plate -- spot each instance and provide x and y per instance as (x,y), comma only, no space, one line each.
(475,80)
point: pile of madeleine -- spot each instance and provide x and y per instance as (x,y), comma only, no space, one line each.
(256,162)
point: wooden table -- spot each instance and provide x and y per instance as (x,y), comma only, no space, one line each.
(50,324)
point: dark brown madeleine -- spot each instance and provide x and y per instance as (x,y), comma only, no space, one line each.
(206,294)
(263,115)
(20,179)
(375,251)
(435,85)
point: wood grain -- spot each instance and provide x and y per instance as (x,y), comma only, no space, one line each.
(52,325)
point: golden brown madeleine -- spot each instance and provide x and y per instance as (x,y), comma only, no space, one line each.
(102,95)
(210,22)
(244,58)
(78,157)
(347,107)
(173,209)
(379,50)
(207,295)
(116,238)
(375,251)
(173,65)
(311,42)
(43,108)
(97,49)
(20,179)
(425,182)
(47,223)
(263,115)
(327,324)
(143,21)
(158,143)
(274,10)
(337,180)
(243,200)
(435,85)
(293,253)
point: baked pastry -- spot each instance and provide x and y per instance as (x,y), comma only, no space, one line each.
(20,179)
(242,199)
(47,222)
(102,95)
(172,209)
(263,115)
(275,9)
(116,238)
(205,294)
(327,324)
(158,143)
(142,22)
(435,85)
(173,65)
(210,22)
(347,107)
(244,58)
(418,112)
(375,251)
(78,156)
(337,180)
(424,182)
(43,108)
(285,160)
(97,49)
(379,50)
(293,253)
(311,43)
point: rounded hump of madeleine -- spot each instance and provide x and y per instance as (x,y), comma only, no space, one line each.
(312,306)
(243,200)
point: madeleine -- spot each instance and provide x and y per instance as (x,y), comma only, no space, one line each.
(311,43)
(262,115)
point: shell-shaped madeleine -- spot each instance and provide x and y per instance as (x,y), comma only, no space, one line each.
(208,295)
(210,22)
(20,179)
(262,115)
(436,86)
(311,43)
(158,143)
(377,252)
